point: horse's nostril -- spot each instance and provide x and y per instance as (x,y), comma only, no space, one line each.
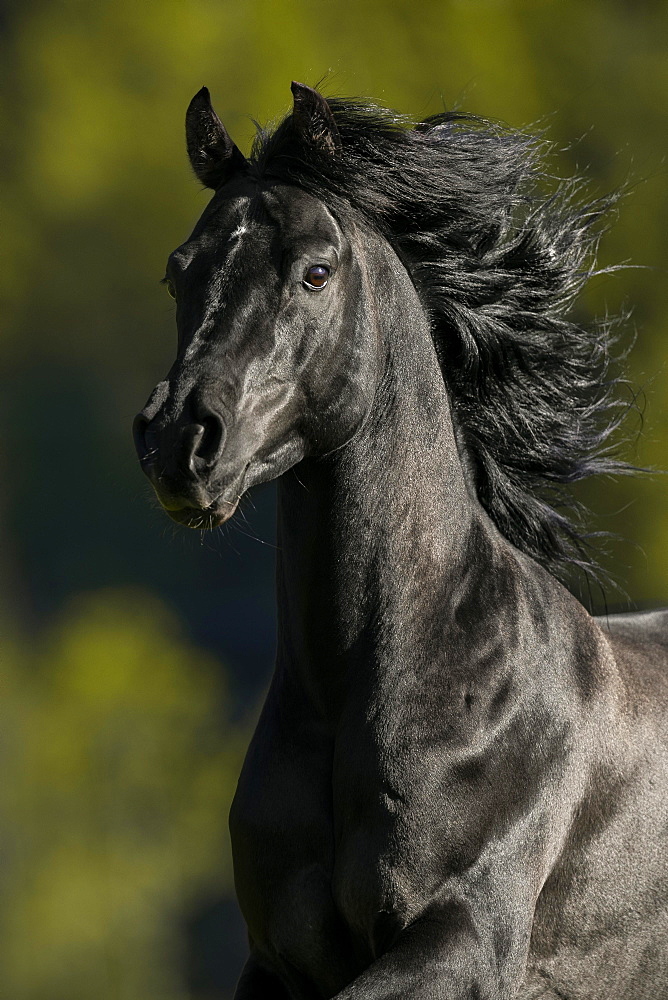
(139,425)
(209,438)
(206,438)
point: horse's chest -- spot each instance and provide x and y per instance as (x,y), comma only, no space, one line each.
(321,890)
(320,893)
(283,848)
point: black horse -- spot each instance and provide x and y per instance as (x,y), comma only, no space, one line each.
(458,785)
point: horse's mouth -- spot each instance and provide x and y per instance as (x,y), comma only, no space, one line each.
(198,510)
(205,518)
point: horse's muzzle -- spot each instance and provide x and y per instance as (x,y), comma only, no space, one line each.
(178,457)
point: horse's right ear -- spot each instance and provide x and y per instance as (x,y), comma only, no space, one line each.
(213,155)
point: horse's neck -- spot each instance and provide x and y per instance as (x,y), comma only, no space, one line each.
(372,538)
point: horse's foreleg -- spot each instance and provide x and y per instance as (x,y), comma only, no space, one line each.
(442,956)
(257,983)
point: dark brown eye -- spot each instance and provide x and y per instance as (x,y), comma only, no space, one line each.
(316,276)
(170,288)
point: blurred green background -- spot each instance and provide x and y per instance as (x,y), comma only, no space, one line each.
(133,655)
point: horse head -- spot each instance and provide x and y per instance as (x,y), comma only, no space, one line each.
(275,359)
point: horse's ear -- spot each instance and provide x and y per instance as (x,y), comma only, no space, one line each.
(313,118)
(213,155)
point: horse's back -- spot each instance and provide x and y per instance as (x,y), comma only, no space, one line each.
(639,644)
(601,922)
(642,627)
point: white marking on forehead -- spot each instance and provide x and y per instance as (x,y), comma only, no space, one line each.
(235,236)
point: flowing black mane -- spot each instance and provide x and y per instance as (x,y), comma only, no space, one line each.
(498,252)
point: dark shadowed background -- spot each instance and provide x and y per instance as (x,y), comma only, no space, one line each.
(133,655)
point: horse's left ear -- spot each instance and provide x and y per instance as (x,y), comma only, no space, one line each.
(213,155)
(313,118)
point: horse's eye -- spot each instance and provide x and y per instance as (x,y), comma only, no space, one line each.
(316,276)
(170,288)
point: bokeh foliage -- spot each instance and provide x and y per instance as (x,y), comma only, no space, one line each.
(119,764)
(117,750)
